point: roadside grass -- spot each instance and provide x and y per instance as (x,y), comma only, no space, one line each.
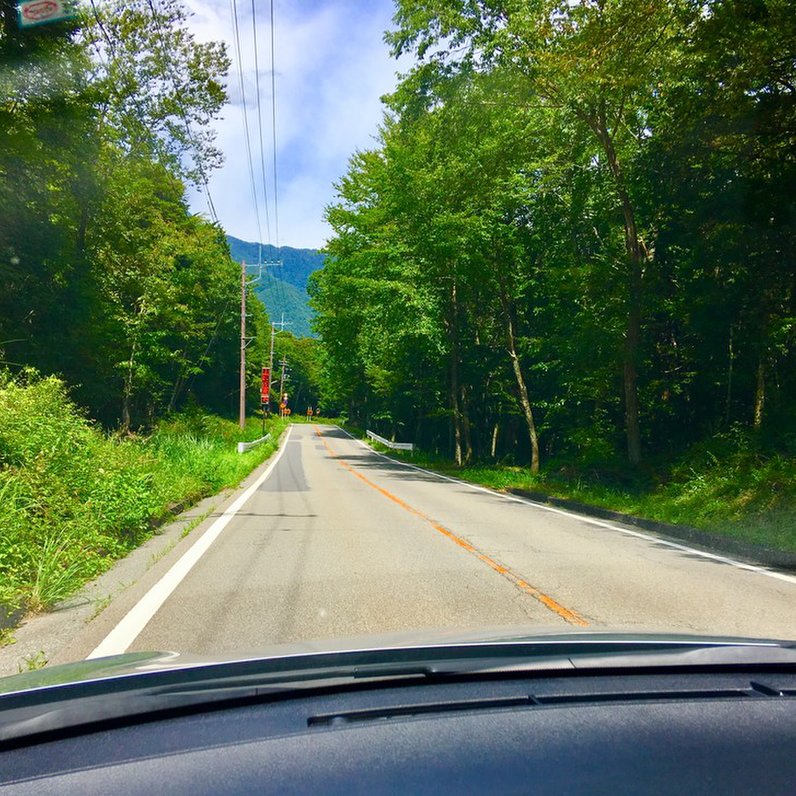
(73,499)
(195,522)
(100,605)
(726,485)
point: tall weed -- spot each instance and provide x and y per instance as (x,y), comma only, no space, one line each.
(73,498)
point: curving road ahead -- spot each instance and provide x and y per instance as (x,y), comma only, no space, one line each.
(330,539)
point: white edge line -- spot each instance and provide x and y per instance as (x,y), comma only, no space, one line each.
(584,518)
(137,618)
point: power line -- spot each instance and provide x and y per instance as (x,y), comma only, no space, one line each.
(278,288)
(273,127)
(237,48)
(260,122)
(103,31)
(92,38)
(212,340)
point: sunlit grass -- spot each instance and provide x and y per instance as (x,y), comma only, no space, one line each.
(74,499)
(738,491)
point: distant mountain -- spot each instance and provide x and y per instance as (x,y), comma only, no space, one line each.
(283,288)
(281,297)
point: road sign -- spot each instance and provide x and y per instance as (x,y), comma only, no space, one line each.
(265,386)
(43,12)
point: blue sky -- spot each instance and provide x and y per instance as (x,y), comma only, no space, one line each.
(331,68)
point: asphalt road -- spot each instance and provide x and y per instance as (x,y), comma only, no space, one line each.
(338,541)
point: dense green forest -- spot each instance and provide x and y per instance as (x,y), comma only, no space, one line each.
(108,280)
(283,287)
(574,240)
(280,297)
(296,264)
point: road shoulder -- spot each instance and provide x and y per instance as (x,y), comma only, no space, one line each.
(746,553)
(74,627)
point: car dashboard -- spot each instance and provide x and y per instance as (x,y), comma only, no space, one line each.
(618,732)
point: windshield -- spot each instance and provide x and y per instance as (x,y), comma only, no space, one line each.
(325,321)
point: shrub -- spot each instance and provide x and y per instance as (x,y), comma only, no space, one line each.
(73,498)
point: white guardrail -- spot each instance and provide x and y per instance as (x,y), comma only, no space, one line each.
(244,446)
(396,446)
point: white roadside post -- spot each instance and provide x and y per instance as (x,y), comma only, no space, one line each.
(396,446)
(245,446)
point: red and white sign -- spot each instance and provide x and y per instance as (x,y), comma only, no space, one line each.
(265,387)
(39,12)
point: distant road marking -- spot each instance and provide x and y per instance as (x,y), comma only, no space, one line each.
(565,613)
(583,518)
(137,618)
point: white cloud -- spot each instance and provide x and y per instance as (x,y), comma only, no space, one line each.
(331,68)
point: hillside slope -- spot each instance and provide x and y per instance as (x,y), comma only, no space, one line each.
(281,297)
(284,288)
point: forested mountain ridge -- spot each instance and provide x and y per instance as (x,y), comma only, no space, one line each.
(284,289)
(283,299)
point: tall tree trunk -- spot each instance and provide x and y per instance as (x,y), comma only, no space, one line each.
(728,399)
(495,432)
(522,388)
(760,395)
(456,415)
(636,255)
(767,301)
(456,419)
(527,411)
(175,393)
(466,430)
(128,389)
(126,412)
(418,428)
(629,366)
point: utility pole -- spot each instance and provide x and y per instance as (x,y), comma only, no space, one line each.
(282,380)
(273,336)
(261,264)
(244,341)
(271,366)
(242,405)
(281,324)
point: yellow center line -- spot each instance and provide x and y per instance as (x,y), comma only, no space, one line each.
(565,613)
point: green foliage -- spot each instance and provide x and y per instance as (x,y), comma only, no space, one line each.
(160,87)
(297,265)
(108,280)
(302,382)
(577,225)
(280,296)
(74,498)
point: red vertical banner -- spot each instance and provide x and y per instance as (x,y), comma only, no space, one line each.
(265,387)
